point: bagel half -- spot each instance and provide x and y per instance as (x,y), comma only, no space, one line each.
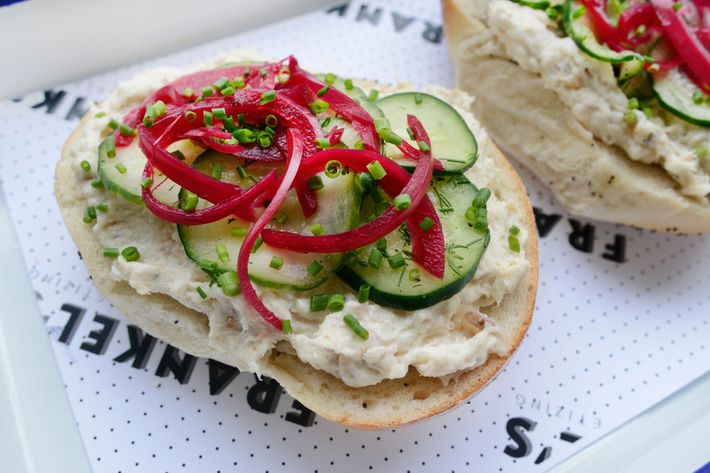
(386,404)
(526,117)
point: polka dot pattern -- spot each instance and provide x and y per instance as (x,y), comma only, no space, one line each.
(608,339)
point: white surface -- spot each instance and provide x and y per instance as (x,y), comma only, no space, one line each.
(608,340)
(38,432)
(48,42)
(670,437)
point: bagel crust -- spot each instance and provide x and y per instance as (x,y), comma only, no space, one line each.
(387,403)
(616,178)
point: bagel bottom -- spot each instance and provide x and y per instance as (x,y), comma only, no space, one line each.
(387,404)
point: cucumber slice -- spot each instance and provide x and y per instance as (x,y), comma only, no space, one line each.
(339,212)
(536,4)
(452,196)
(131,160)
(452,142)
(579,29)
(628,70)
(675,93)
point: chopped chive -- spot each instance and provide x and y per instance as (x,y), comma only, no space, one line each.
(330,78)
(111,252)
(336,302)
(317,229)
(698,97)
(239,231)
(417,98)
(190,116)
(515,230)
(366,181)
(229,283)
(634,103)
(481,224)
(112,124)
(216,171)
(110,147)
(262,72)
(414,275)
(348,84)
(276,262)
(648,112)
(640,30)
(201,292)
(424,146)
(355,326)
(207,92)
(396,261)
(381,245)
(159,108)
(314,268)
(552,13)
(359,145)
(238,82)
(146,183)
(89,214)
(97,183)
(264,140)
(322,91)
(363,293)
(577,14)
(701,151)
(100,115)
(426,224)
(221,83)
(286,327)
(376,170)
(375,258)
(322,143)
(241,119)
(207,118)
(222,252)
(268,97)
(244,135)
(410,132)
(271,120)
(372,96)
(481,198)
(319,302)
(247,71)
(243,174)
(125,130)
(85,166)
(677,6)
(333,168)
(318,106)
(190,201)
(513,243)
(315,183)
(325,122)
(402,202)
(257,244)
(228,124)
(102,207)
(130,253)
(149,116)
(471,214)
(188,92)
(630,118)
(121,168)
(392,137)
(219,113)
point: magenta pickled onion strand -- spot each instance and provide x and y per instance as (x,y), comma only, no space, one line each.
(395,182)
(603,27)
(686,42)
(294,161)
(413,153)
(181,173)
(307,199)
(635,16)
(335,135)
(206,132)
(239,205)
